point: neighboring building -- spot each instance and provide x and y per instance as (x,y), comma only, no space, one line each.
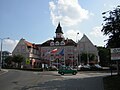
(86,46)
(5,54)
(30,51)
(65,53)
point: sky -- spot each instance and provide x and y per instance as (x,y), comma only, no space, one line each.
(36,20)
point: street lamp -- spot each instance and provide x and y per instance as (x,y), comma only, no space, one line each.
(77,50)
(76,37)
(1,51)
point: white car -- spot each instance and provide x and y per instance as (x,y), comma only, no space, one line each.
(84,67)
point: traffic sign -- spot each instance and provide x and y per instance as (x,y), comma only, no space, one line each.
(27,61)
(115,53)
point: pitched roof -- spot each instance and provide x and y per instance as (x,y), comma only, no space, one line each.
(86,44)
(68,42)
(28,43)
(47,43)
(85,39)
(31,44)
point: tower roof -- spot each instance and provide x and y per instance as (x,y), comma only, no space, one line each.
(59,29)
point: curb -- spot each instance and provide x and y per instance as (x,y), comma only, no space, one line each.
(3,71)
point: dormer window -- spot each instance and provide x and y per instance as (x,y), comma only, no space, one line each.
(56,43)
(62,43)
(52,43)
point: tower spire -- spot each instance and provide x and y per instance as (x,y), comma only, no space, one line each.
(59,29)
(59,32)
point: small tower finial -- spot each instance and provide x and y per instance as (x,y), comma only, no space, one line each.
(59,24)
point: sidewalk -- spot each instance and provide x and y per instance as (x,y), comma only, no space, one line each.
(2,71)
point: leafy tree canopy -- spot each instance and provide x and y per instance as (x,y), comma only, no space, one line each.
(104,56)
(18,58)
(8,60)
(111,27)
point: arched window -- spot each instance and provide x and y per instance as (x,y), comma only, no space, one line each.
(52,43)
(56,43)
(62,43)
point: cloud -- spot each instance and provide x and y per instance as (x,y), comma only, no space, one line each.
(97,36)
(68,12)
(96,32)
(72,34)
(9,45)
(109,6)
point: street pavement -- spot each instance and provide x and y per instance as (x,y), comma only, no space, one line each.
(51,80)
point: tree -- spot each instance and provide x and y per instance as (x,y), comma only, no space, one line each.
(8,61)
(85,57)
(111,27)
(104,56)
(18,59)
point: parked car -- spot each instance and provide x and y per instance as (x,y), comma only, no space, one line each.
(67,70)
(98,66)
(95,67)
(84,67)
(52,68)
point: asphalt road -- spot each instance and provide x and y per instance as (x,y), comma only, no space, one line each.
(18,80)
(27,80)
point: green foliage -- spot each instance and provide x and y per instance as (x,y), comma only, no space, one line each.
(111,27)
(8,60)
(16,59)
(104,56)
(91,56)
(87,56)
(84,58)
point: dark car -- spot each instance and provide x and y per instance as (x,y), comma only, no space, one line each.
(96,67)
(67,70)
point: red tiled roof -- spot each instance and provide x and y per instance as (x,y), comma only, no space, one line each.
(68,42)
(31,45)
(28,44)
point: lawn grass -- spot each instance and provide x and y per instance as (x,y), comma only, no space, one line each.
(112,82)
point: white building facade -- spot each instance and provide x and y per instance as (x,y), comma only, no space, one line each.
(86,46)
(29,51)
(66,50)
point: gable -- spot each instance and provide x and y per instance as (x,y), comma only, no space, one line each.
(21,46)
(85,45)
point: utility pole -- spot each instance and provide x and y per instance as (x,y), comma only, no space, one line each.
(77,50)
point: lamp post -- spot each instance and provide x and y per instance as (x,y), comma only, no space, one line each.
(77,50)
(77,37)
(1,62)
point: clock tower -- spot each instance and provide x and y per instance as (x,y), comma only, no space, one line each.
(59,32)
